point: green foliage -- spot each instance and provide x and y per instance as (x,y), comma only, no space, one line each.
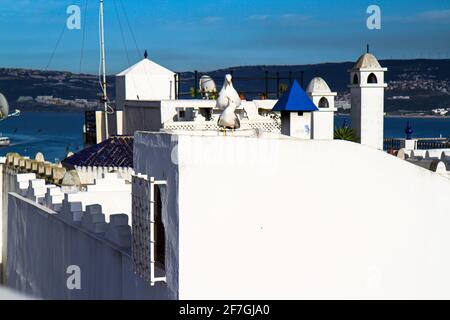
(345,133)
(194,92)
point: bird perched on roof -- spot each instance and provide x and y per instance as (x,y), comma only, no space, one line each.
(229,119)
(207,86)
(227,94)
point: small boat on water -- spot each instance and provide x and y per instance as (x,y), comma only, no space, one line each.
(4,141)
(4,114)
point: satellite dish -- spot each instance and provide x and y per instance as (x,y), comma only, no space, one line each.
(207,86)
(4,107)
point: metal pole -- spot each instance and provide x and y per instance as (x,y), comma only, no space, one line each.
(278,85)
(102,44)
(196,83)
(179,84)
(266,83)
(302,78)
(175,85)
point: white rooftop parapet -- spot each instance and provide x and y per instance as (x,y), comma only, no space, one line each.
(71,212)
(36,189)
(93,219)
(441,168)
(445,154)
(53,198)
(110,182)
(435,153)
(88,175)
(22,182)
(404,153)
(118,230)
(112,192)
(419,154)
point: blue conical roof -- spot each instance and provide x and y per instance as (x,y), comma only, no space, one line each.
(295,99)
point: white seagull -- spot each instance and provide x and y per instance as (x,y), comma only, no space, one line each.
(227,94)
(228,119)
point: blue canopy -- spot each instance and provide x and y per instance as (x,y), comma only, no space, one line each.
(295,99)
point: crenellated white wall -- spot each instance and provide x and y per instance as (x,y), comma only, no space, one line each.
(49,230)
(89,174)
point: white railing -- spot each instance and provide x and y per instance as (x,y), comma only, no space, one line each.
(267,125)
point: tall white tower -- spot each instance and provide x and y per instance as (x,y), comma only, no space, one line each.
(367,94)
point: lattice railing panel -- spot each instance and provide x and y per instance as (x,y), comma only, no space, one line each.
(269,125)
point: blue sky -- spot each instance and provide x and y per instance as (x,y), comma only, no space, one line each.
(205,35)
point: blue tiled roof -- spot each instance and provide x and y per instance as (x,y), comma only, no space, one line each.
(117,151)
(295,99)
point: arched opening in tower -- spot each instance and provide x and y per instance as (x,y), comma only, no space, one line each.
(372,78)
(323,103)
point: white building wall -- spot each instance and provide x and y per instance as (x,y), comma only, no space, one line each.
(149,87)
(367,106)
(368,115)
(144,81)
(323,120)
(159,160)
(297,124)
(142,117)
(278,220)
(323,125)
(372,117)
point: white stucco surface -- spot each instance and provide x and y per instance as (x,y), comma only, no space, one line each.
(42,244)
(287,219)
(323,124)
(146,80)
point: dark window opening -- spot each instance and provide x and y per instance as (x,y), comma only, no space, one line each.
(372,78)
(182,114)
(160,234)
(323,103)
(355,79)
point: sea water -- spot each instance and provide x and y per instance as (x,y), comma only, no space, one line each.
(52,133)
(423,127)
(57,133)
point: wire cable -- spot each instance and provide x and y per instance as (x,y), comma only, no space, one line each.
(56,47)
(121,32)
(84,35)
(131,29)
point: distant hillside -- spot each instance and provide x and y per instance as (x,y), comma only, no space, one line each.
(413,84)
(425,82)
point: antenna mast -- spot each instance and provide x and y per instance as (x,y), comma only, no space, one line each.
(103,62)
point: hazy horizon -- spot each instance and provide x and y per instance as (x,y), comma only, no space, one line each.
(234,67)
